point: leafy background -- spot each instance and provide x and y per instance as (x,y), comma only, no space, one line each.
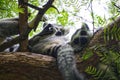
(72,12)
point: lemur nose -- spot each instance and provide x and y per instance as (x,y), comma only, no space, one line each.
(59,33)
(49,25)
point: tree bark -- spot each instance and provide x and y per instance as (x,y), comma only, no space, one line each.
(27,66)
(31,66)
(23,25)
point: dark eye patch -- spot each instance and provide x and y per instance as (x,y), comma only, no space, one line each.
(76,41)
(48,28)
(83,40)
(83,33)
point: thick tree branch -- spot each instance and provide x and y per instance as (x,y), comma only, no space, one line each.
(27,66)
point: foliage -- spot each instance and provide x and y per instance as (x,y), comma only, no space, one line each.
(112,33)
(8,7)
(86,55)
(97,74)
(99,20)
(63,18)
(71,13)
(113,10)
(109,66)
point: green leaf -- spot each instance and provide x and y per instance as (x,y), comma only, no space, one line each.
(63,18)
(87,55)
(96,73)
(51,11)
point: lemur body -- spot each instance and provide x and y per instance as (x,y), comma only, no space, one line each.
(49,45)
(51,36)
(8,27)
(57,47)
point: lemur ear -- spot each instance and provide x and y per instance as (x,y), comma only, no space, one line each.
(45,24)
(85,26)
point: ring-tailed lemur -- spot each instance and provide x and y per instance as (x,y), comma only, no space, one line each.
(57,47)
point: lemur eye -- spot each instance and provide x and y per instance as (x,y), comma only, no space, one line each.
(76,41)
(83,40)
(50,29)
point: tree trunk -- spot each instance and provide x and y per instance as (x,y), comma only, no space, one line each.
(23,19)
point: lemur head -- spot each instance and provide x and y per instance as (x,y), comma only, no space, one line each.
(58,30)
(81,38)
(49,30)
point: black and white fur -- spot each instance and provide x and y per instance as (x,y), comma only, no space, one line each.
(81,38)
(57,47)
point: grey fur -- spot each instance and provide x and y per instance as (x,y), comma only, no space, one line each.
(8,28)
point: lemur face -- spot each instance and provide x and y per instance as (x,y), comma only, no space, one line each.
(81,38)
(58,30)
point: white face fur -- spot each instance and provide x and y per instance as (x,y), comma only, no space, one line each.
(81,38)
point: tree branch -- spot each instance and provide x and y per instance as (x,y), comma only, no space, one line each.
(32,6)
(23,24)
(33,24)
